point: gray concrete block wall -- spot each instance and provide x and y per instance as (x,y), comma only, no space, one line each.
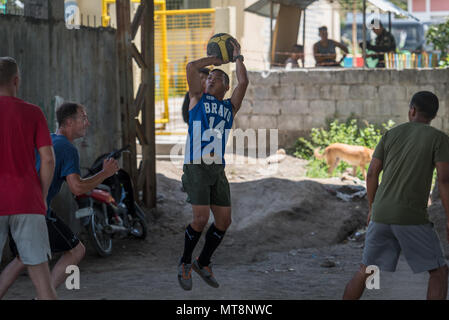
(77,65)
(297,101)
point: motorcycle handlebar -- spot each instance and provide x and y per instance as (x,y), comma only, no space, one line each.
(116,154)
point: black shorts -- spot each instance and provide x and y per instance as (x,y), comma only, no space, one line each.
(61,238)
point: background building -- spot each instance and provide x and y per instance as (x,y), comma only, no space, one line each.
(428,10)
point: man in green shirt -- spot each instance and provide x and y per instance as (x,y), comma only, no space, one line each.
(407,155)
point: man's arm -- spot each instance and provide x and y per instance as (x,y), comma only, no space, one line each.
(372,182)
(316,55)
(185,108)
(341,46)
(387,45)
(242,78)
(443,186)
(47,169)
(79,186)
(194,80)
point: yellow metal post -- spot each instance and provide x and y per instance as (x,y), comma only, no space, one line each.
(161,17)
(105,17)
(165,61)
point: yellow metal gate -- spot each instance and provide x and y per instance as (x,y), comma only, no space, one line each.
(180,36)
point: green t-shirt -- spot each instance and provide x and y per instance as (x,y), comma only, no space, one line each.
(408,153)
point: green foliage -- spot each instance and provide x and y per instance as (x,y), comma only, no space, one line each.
(434,179)
(351,132)
(444,62)
(400,3)
(438,35)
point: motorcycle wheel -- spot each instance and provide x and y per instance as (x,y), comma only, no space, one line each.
(140,227)
(101,241)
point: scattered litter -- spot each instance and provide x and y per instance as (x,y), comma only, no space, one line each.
(284,270)
(278,157)
(258,271)
(292,253)
(348,197)
(355,180)
(348,192)
(328,264)
(160,198)
(358,235)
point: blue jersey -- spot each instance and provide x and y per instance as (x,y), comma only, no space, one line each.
(67,162)
(210,122)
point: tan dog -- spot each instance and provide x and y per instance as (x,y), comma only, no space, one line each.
(354,155)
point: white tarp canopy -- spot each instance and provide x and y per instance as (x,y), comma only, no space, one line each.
(386,5)
(263,7)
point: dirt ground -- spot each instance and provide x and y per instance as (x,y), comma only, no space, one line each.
(291,238)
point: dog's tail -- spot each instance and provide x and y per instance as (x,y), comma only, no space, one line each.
(317,154)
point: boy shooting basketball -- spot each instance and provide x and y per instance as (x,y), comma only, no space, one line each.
(204,179)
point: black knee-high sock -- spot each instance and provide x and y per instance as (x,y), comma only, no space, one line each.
(190,241)
(213,240)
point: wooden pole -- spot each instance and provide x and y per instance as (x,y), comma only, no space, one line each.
(148,114)
(271,33)
(126,87)
(354,34)
(389,21)
(304,39)
(364,33)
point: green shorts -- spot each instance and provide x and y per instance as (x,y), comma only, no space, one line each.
(206,184)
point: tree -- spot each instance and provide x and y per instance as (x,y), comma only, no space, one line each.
(438,35)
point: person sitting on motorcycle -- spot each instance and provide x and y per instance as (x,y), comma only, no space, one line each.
(73,123)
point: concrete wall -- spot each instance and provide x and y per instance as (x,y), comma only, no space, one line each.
(77,65)
(296,101)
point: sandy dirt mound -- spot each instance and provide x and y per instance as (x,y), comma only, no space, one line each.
(275,214)
(275,208)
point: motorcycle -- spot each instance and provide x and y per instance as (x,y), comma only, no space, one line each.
(110,211)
